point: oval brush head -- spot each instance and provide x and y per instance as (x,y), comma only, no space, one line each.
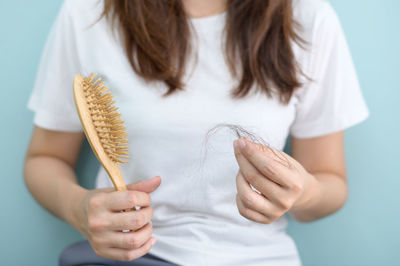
(102,125)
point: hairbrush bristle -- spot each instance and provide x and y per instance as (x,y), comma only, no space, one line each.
(107,121)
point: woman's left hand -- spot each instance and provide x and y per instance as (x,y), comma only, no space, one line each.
(283,183)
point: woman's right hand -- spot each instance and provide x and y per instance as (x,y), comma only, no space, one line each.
(100,219)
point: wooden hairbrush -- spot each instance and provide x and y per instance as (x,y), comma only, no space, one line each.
(102,125)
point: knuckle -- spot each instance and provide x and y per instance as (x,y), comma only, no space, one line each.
(95,242)
(96,202)
(148,246)
(267,221)
(238,200)
(285,203)
(296,187)
(96,224)
(136,244)
(238,175)
(239,204)
(273,218)
(267,169)
(132,198)
(132,242)
(268,218)
(273,168)
(239,178)
(148,214)
(137,220)
(251,177)
(248,199)
(128,256)
(280,214)
(242,212)
(241,209)
(99,251)
(249,153)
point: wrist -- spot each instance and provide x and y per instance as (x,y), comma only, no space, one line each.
(309,196)
(75,210)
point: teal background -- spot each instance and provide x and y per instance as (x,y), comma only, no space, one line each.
(365,232)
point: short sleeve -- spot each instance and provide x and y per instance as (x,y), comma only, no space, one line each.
(52,96)
(331,99)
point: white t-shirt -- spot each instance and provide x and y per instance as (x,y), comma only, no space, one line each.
(196,220)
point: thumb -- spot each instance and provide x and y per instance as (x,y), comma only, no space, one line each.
(147,186)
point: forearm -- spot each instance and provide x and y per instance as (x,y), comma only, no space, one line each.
(53,184)
(326,194)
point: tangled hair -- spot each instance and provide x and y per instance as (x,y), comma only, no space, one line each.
(241,132)
(156,36)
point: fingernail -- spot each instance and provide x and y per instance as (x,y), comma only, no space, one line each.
(242,143)
(153,241)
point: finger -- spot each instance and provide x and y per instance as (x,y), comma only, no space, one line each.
(128,255)
(254,201)
(122,200)
(273,191)
(265,161)
(147,186)
(254,176)
(250,214)
(131,240)
(132,220)
(245,165)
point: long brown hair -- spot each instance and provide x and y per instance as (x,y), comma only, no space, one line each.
(258,36)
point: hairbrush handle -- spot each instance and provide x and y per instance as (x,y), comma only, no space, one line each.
(116,177)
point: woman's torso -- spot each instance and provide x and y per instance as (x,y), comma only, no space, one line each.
(195,220)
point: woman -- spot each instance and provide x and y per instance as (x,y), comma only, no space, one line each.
(177,69)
